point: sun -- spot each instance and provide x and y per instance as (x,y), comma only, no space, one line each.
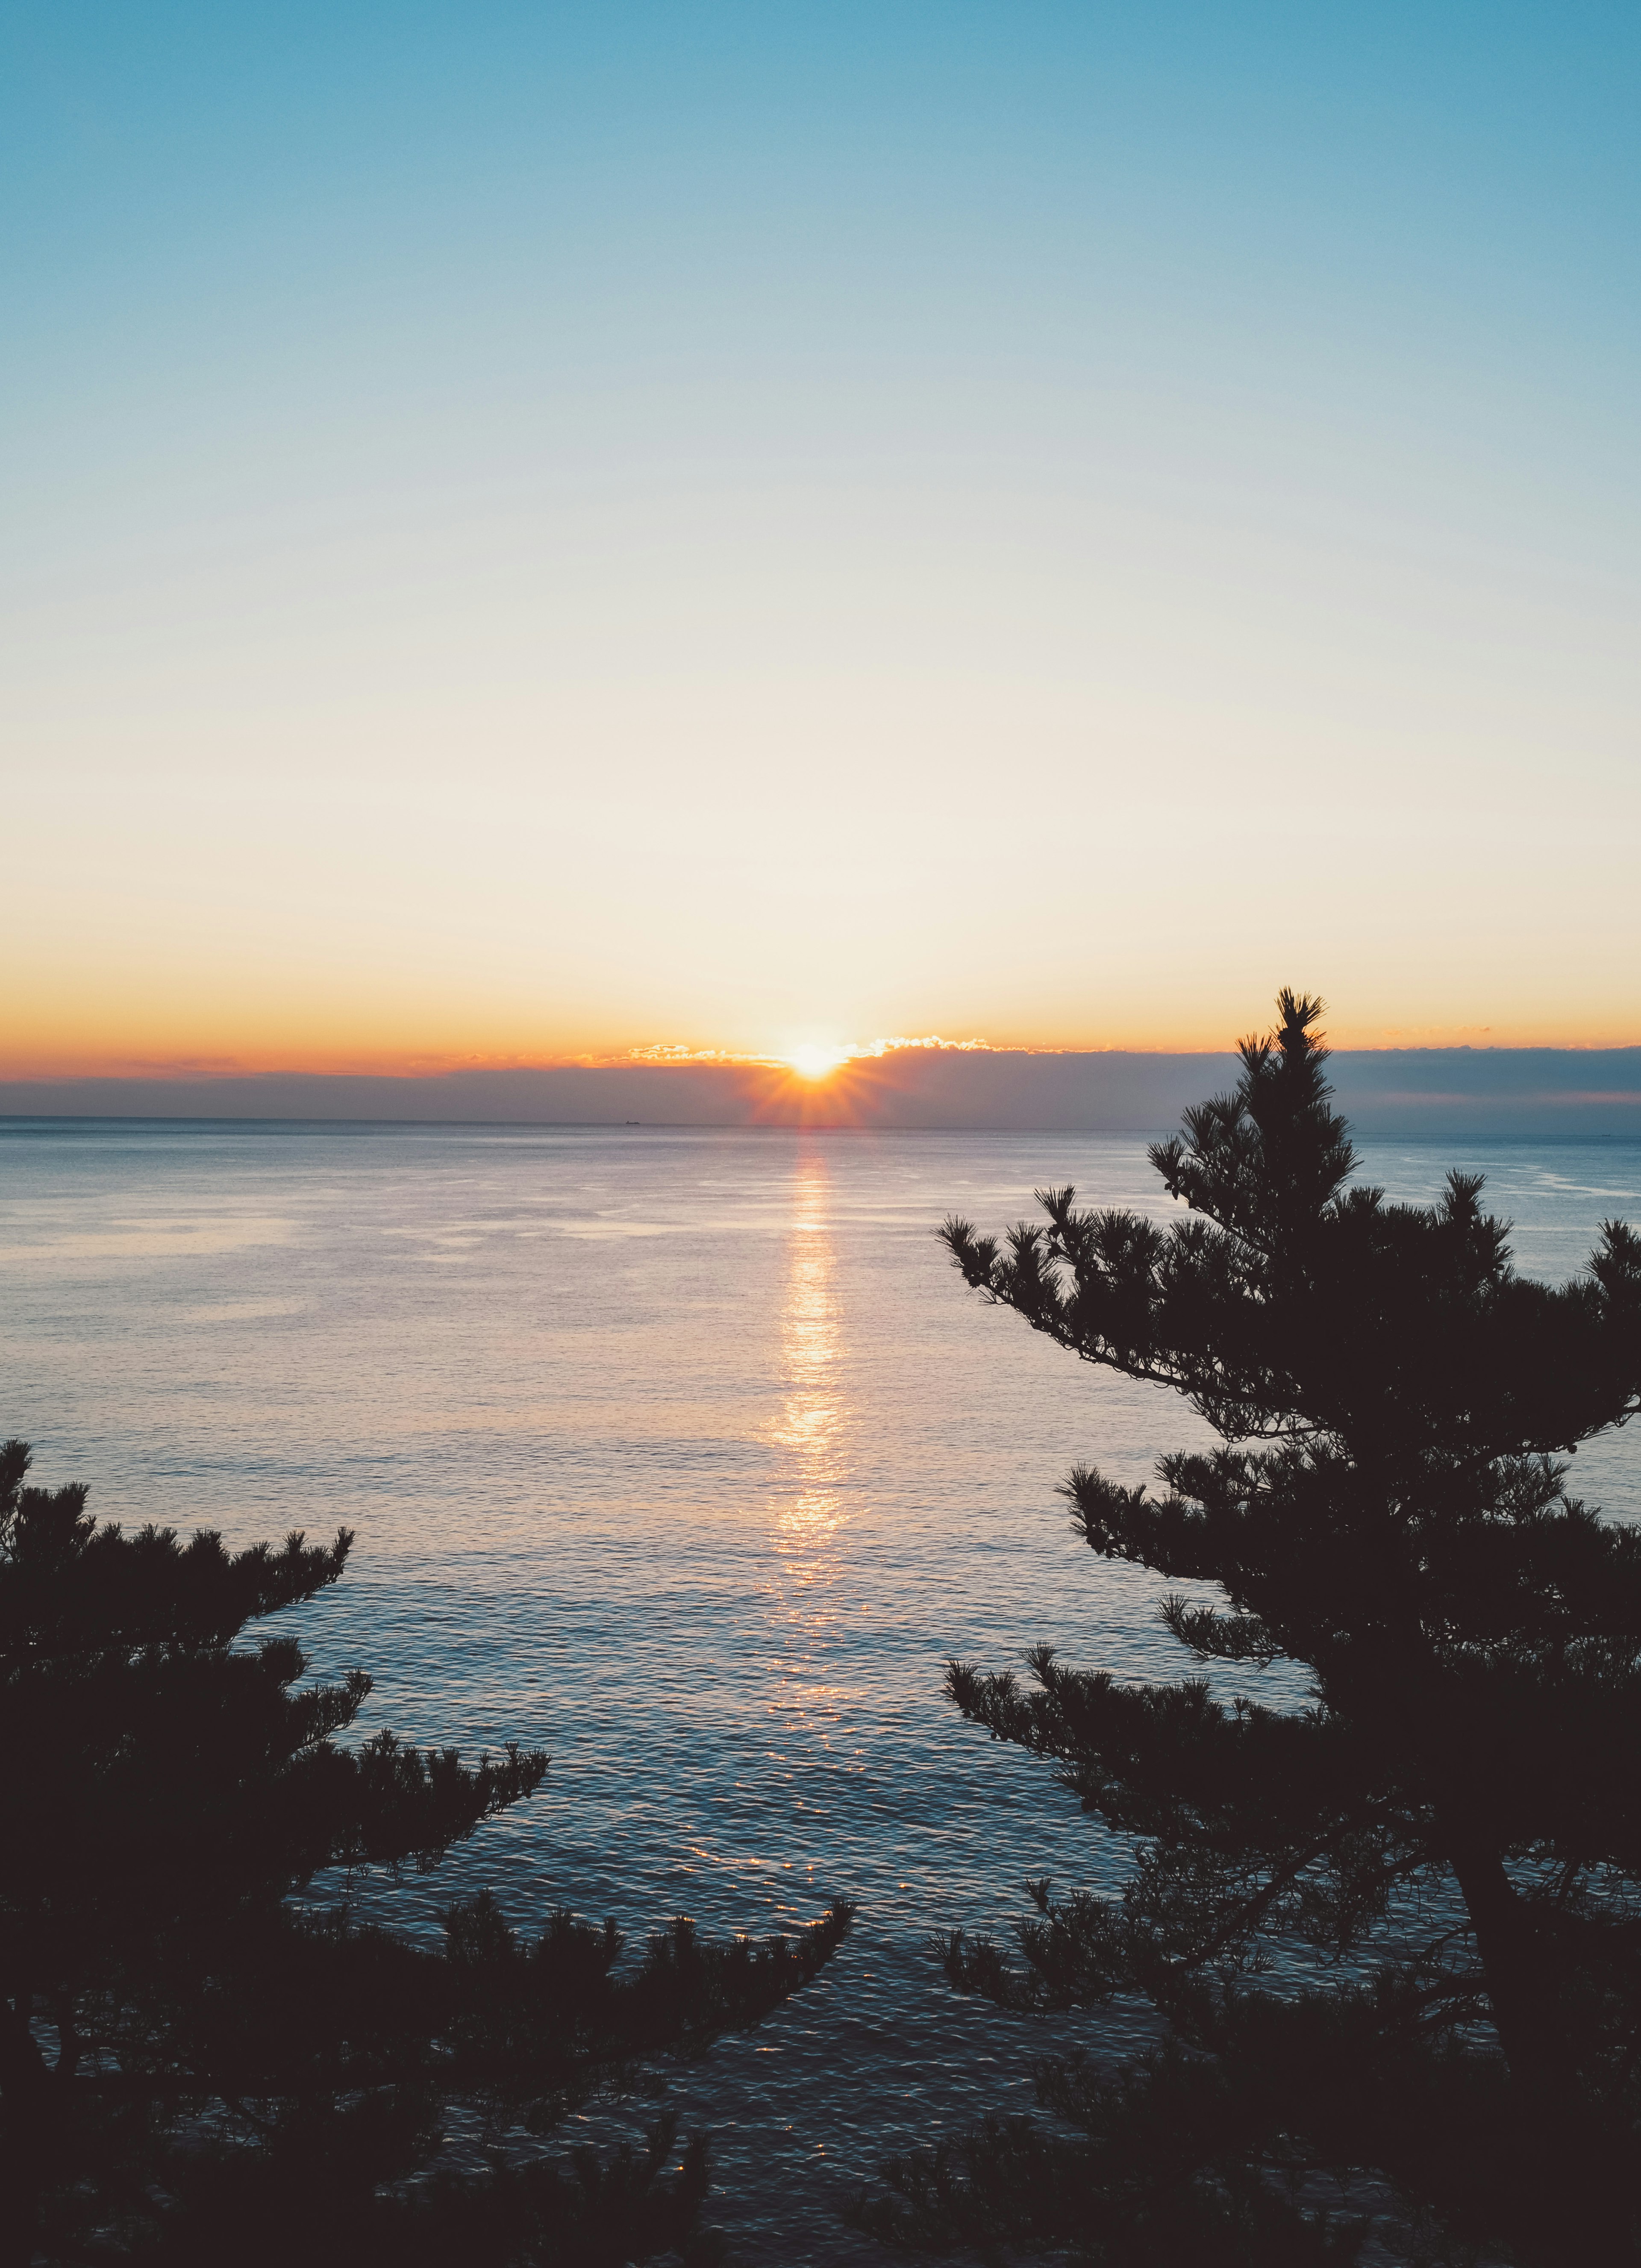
(813,1062)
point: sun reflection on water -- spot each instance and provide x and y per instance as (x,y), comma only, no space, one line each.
(810,1508)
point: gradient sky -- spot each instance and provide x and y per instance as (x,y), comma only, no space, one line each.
(534,531)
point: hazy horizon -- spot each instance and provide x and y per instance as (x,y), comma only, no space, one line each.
(1535,1094)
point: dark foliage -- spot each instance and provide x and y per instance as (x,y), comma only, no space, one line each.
(1395,1935)
(194,2068)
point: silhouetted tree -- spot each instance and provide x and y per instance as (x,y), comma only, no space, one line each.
(1396,1932)
(196,2069)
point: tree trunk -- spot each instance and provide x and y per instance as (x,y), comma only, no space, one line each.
(1518,1983)
(1576,2197)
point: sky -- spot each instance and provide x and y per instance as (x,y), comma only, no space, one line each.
(532,532)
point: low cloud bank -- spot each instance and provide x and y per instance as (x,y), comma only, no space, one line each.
(1502,1093)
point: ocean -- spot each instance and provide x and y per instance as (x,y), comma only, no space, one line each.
(687,1456)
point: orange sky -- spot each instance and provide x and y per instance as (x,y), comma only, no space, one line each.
(186,1039)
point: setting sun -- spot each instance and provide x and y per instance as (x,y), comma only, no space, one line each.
(813,1062)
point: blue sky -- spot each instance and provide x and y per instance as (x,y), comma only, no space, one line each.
(538,531)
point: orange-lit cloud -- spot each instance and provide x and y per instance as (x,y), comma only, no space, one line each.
(811,1058)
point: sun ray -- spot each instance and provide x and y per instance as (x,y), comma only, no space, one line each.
(814,1061)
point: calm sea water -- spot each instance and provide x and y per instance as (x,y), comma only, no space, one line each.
(686,1457)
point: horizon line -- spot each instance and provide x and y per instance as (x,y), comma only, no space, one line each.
(1360,1131)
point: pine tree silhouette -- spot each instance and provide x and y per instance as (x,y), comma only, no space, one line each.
(196,2070)
(1439,1859)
